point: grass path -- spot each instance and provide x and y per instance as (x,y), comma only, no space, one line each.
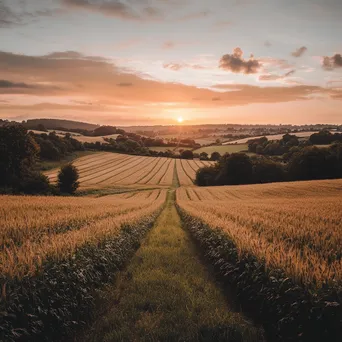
(166,294)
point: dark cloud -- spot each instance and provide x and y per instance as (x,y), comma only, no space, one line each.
(330,63)
(9,84)
(268,44)
(235,63)
(116,8)
(216,99)
(299,52)
(274,77)
(125,84)
(20,16)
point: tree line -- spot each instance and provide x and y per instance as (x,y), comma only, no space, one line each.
(19,153)
(305,163)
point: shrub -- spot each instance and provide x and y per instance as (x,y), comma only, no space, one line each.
(68,179)
(35,183)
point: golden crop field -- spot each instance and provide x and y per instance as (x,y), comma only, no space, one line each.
(295,227)
(107,169)
(34,229)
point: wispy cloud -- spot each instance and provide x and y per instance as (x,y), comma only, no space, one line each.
(116,8)
(299,52)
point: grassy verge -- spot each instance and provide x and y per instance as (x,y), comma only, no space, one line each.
(47,165)
(167,295)
(61,298)
(287,311)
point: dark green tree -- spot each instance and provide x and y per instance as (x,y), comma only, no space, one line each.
(236,169)
(187,154)
(18,154)
(68,179)
(215,156)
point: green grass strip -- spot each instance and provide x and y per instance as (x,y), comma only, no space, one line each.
(166,294)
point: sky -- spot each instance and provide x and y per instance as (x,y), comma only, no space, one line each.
(149,62)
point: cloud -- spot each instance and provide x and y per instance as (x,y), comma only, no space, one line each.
(169,45)
(19,15)
(235,63)
(196,15)
(267,43)
(299,52)
(115,8)
(109,87)
(330,63)
(274,77)
(125,84)
(222,24)
(9,84)
(180,66)
(270,62)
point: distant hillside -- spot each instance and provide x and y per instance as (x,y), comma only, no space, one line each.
(55,124)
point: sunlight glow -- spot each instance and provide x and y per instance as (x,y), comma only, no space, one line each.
(180,119)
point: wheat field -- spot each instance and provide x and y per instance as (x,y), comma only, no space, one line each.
(36,229)
(295,227)
(108,169)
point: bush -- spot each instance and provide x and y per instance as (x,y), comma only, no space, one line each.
(68,179)
(35,183)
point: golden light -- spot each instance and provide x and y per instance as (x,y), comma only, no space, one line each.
(180,119)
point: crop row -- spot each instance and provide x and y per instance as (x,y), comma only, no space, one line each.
(106,169)
(282,254)
(34,229)
(48,280)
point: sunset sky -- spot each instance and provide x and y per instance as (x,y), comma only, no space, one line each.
(143,62)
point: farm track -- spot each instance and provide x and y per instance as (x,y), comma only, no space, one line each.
(166,294)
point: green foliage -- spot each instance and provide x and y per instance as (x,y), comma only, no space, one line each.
(238,169)
(18,153)
(302,163)
(68,179)
(215,156)
(187,154)
(53,147)
(316,163)
(206,176)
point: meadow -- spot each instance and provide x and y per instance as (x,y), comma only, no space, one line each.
(222,149)
(110,169)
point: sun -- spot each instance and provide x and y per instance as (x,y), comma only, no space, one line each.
(180,119)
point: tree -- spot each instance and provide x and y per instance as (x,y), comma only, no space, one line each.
(236,169)
(203,156)
(18,153)
(215,156)
(68,179)
(187,154)
(266,171)
(206,176)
